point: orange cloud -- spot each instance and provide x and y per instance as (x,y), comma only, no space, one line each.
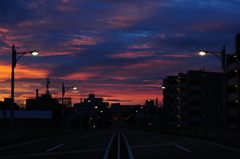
(80,76)
(5,72)
(27,72)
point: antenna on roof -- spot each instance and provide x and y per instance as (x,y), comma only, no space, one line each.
(47,85)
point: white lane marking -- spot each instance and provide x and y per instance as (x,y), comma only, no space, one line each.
(50,153)
(26,143)
(150,145)
(33,141)
(82,136)
(128,147)
(109,146)
(55,147)
(182,147)
(154,136)
(223,146)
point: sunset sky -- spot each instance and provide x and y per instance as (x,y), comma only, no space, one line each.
(118,49)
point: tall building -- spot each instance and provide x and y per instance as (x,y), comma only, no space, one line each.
(233,75)
(193,99)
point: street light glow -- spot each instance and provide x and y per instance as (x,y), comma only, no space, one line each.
(34,53)
(202,53)
(74,87)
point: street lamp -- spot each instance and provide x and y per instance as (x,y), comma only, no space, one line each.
(223,62)
(64,89)
(14,62)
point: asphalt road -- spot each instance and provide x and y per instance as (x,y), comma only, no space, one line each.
(84,145)
(104,145)
(147,145)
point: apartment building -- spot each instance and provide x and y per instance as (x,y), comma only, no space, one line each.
(233,76)
(193,99)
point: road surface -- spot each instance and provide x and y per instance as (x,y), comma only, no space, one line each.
(129,144)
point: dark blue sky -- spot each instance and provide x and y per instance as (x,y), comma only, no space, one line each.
(116,49)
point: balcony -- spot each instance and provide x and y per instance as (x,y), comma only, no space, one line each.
(197,119)
(182,113)
(184,94)
(182,104)
(232,97)
(197,98)
(232,81)
(231,66)
(182,123)
(197,87)
(197,109)
(182,85)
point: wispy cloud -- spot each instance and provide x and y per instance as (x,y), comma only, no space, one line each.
(117,49)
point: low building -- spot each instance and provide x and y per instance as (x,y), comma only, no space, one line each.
(90,112)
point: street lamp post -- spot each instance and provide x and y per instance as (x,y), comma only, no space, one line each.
(223,62)
(14,62)
(64,89)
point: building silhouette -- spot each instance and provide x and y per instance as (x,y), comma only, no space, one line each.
(193,99)
(91,112)
(233,75)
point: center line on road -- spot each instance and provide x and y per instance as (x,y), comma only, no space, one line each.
(55,147)
(182,148)
(109,146)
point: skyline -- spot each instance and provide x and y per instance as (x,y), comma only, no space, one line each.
(118,50)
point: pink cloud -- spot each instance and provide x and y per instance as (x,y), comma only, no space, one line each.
(80,76)
(176,55)
(142,46)
(83,40)
(133,55)
(67,9)
(4,30)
